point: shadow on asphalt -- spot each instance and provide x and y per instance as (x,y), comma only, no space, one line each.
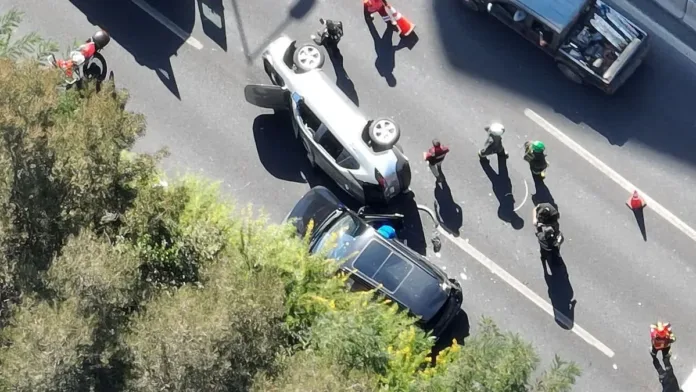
(284,157)
(560,292)
(212,14)
(449,213)
(342,79)
(385,50)
(542,193)
(502,189)
(150,43)
(666,376)
(640,220)
(458,330)
(654,107)
(297,12)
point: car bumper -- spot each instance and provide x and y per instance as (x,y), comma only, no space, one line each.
(453,307)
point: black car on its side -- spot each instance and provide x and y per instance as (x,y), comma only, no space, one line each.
(399,273)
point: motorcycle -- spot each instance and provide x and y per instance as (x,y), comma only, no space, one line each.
(82,62)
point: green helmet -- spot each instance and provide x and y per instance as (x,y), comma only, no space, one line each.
(538,146)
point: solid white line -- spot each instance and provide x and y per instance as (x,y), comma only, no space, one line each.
(690,384)
(609,172)
(658,30)
(168,24)
(527,292)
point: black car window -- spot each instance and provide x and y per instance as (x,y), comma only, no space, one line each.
(393,272)
(337,151)
(337,241)
(308,116)
(371,258)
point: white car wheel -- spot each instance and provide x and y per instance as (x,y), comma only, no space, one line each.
(308,57)
(384,132)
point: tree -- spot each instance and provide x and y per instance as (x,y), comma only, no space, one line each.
(306,371)
(27,45)
(496,362)
(48,345)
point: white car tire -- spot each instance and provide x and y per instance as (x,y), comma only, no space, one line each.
(384,133)
(308,57)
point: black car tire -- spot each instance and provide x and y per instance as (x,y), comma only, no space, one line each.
(569,73)
(308,57)
(384,133)
(471,5)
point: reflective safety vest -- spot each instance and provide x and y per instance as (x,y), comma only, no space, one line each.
(373,5)
(661,338)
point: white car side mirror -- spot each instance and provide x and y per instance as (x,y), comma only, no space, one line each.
(489,7)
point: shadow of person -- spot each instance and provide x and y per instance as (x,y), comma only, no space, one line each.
(342,79)
(543,194)
(458,330)
(560,290)
(212,14)
(149,42)
(386,51)
(502,189)
(448,212)
(666,376)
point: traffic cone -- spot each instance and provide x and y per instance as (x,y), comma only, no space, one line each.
(405,26)
(636,202)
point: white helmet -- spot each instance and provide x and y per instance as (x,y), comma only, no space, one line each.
(77,57)
(496,129)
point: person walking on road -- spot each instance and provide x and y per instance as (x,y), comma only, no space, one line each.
(535,154)
(661,339)
(330,34)
(547,229)
(494,142)
(435,156)
(379,6)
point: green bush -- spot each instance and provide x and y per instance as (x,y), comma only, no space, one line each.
(47,347)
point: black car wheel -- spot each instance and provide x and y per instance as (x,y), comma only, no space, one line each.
(569,73)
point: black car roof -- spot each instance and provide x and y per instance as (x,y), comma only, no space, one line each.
(401,277)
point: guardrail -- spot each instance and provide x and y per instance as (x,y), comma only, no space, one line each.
(685,10)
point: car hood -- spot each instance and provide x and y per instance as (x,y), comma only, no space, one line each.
(422,294)
(316,205)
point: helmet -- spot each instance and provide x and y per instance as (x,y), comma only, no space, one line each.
(387,232)
(101,39)
(496,129)
(662,329)
(538,147)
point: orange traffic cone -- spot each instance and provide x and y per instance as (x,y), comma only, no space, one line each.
(405,26)
(636,202)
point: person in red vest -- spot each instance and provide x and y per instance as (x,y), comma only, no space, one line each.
(435,156)
(379,6)
(661,337)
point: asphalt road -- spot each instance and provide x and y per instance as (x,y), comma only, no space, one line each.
(465,71)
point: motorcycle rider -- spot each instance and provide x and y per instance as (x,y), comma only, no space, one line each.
(535,154)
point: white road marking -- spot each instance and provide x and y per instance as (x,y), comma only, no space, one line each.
(658,30)
(526,195)
(463,276)
(168,24)
(690,384)
(609,172)
(527,292)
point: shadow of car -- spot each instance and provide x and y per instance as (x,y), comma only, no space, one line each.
(375,262)
(361,155)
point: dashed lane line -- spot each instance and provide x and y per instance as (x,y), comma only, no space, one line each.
(527,292)
(609,172)
(168,24)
